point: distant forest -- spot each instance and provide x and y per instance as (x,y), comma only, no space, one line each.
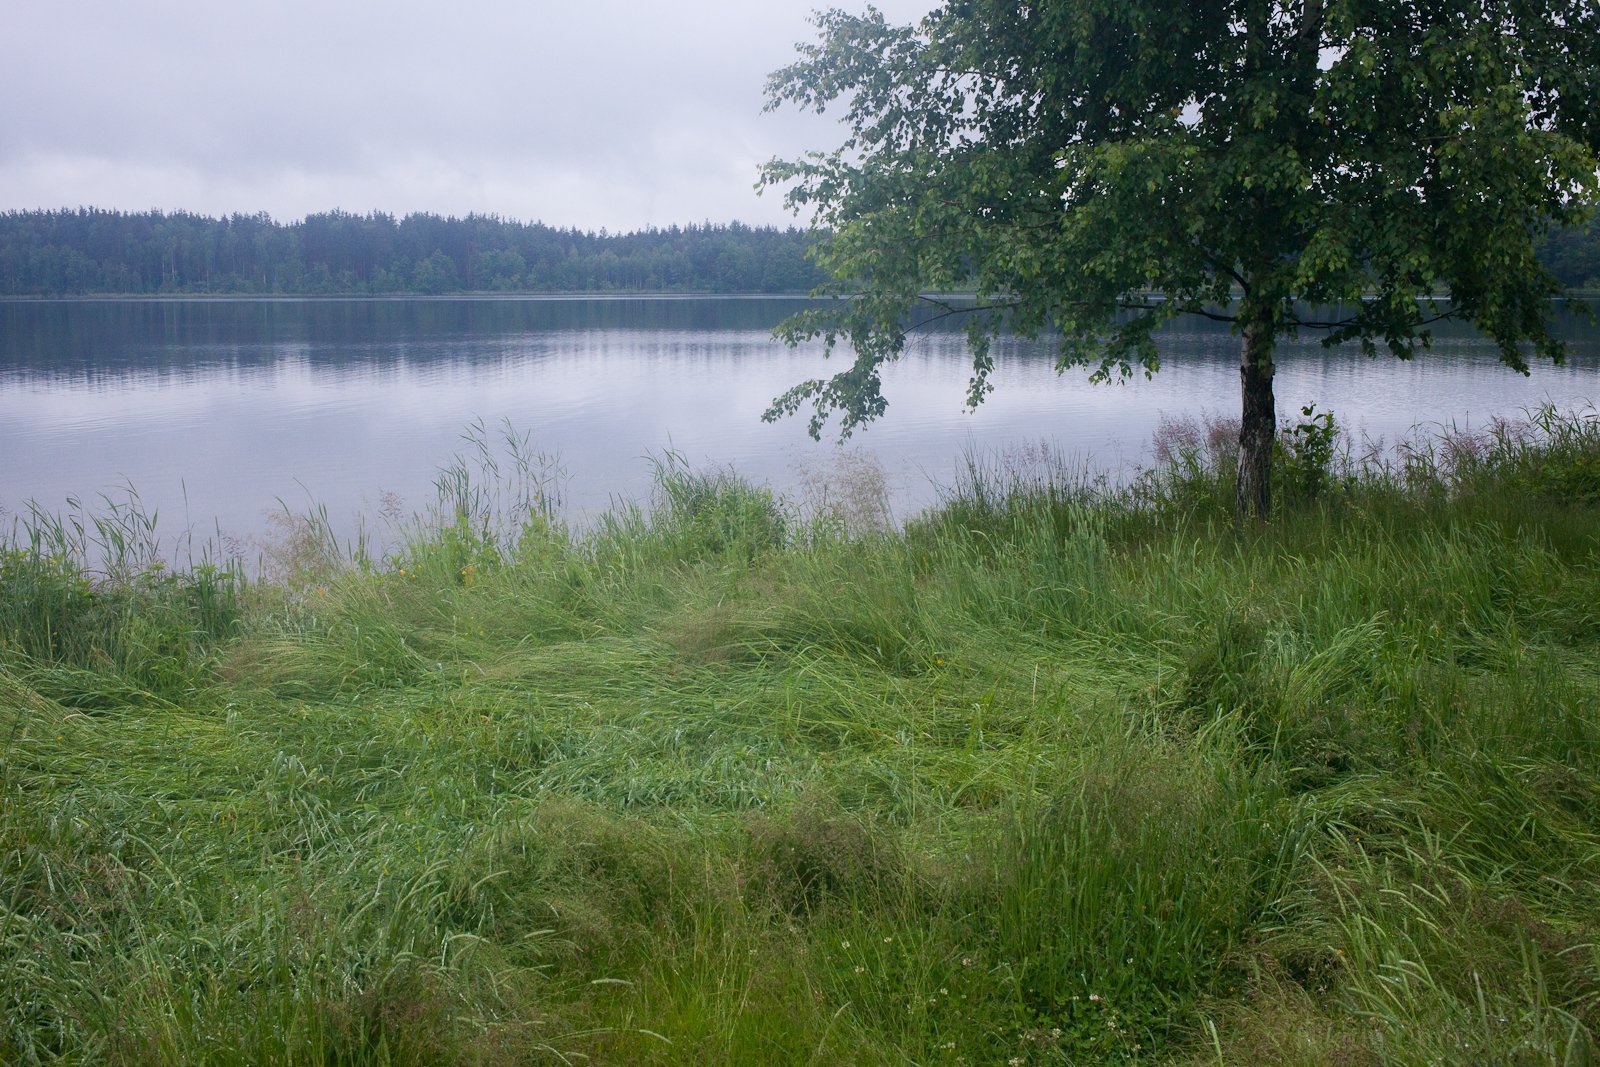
(1574,256)
(63,253)
(60,253)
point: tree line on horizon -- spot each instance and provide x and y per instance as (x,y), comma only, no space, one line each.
(1574,256)
(95,251)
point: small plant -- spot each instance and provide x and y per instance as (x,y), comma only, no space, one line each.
(1305,454)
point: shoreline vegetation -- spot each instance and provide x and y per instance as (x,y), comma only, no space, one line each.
(1056,772)
(95,252)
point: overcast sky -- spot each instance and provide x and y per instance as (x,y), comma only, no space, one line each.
(589,113)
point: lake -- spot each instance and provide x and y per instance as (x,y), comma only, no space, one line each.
(220,411)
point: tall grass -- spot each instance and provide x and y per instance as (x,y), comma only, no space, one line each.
(1059,772)
(96,609)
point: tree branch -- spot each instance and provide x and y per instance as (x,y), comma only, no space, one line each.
(950,309)
(1309,35)
(1314,324)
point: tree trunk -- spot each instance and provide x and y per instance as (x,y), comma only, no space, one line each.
(1258,419)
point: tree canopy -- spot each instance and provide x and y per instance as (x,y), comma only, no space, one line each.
(1099,166)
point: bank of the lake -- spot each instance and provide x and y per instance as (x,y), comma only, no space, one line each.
(1047,776)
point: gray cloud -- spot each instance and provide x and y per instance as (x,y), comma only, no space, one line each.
(598,113)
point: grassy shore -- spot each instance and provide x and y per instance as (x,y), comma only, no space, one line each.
(1054,774)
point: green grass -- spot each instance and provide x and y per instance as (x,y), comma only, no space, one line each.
(1057,773)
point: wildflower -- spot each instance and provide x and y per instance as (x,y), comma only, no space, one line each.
(888,939)
(844,944)
(966,961)
(1095,997)
(1016,1061)
(860,969)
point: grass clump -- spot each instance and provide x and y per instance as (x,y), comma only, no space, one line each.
(1059,772)
(133,627)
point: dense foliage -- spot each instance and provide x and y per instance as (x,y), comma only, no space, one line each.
(55,253)
(1100,166)
(1054,775)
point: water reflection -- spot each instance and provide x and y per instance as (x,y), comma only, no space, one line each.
(218,409)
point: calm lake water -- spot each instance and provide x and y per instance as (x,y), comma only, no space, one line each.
(216,411)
